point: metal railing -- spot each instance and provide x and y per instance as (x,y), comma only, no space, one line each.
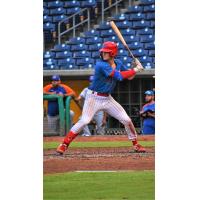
(74,26)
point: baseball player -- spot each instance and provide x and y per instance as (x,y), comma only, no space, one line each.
(99,117)
(53,110)
(148,113)
(107,72)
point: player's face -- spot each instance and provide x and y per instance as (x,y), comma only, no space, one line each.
(148,98)
(55,83)
(106,56)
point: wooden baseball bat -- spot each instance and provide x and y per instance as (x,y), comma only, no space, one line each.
(119,35)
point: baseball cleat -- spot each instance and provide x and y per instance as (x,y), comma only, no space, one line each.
(139,148)
(61,148)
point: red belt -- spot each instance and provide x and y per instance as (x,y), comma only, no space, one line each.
(100,94)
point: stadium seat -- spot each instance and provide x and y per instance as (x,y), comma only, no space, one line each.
(123,24)
(78,47)
(88,3)
(137,16)
(87,66)
(55,4)
(71,4)
(77,40)
(104,26)
(61,47)
(48,54)
(134,9)
(131,38)
(48,26)
(47,18)
(51,67)
(66,62)
(112,38)
(145,59)
(71,11)
(92,33)
(150,8)
(84,61)
(122,52)
(57,11)
(147,38)
(128,31)
(63,54)
(145,31)
(140,52)
(150,16)
(49,61)
(95,54)
(69,67)
(121,17)
(126,59)
(93,40)
(120,45)
(45,4)
(152,53)
(141,24)
(135,45)
(149,46)
(152,24)
(82,54)
(147,2)
(94,47)
(106,33)
(148,65)
(45,11)
(59,18)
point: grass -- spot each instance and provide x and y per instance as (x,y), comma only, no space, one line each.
(136,185)
(53,145)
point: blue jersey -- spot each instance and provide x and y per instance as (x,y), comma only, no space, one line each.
(149,122)
(102,82)
(53,108)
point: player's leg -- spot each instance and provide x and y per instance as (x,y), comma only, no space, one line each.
(117,111)
(89,109)
(71,118)
(98,117)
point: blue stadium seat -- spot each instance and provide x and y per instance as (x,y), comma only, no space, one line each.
(78,47)
(87,66)
(134,9)
(92,33)
(148,65)
(106,33)
(147,38)
(94,47)
(47,18)
(145,59)
(126,59)
(45,4)
(49,62)
(51,67)
(48,54)
(59,18)
(77,40)
(71,11)
(150,16)
(141,24)
(152,53)
(57,11)
(145,31)
(95,54)
(150,8)
(82,54)
(93,40)
(66,62)
(55,4)
(71,4)
(123,24)
(45,11)
(104,26)
(149,46)
(84,61)
(131,38)
(122,52)
(88,3)
(112,38)
(147,2)
(48,27)
(61,47)
(121,17)
(137,16)
(120,45)
(63,54)
(128,31)
(140,52)
(152,24)
(69,66)
(135,45)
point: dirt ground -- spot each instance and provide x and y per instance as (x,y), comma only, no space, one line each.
(105,159)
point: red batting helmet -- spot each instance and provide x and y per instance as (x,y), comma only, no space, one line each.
(109,47)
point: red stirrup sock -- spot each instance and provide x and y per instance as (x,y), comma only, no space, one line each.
(134,142)
(69,137)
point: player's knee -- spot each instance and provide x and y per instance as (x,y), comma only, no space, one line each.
(126,121)
(85,121)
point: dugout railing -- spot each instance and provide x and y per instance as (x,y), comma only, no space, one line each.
(63,118)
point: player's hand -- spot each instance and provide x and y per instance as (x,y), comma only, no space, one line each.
(60,94)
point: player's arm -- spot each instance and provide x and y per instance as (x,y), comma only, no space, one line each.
(46,90)
(69,91)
